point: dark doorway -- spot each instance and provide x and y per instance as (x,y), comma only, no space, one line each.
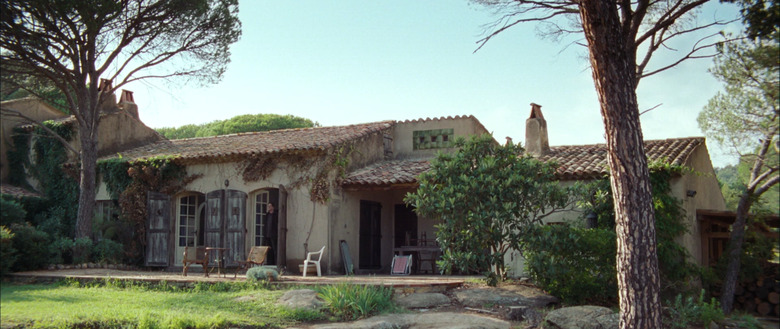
(370,235)
(265,224)
(405,223)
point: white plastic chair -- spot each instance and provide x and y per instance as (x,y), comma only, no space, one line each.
(315,262)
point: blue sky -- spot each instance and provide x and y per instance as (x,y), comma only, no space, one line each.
(346,62)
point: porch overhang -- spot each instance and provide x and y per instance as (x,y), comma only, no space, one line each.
(387,175)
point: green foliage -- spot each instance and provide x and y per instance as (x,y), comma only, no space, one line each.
(683,312)
(575,264)
(669,220)
(746,113)
(7,251)
(32,247)
(238,124)
(130,182)
(18,158)
(114,174)
(11,212)
(351,302)
(733,180)
(485,198)
(260,273)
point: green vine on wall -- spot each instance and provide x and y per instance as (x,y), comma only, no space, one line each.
(130,181)
(45,165)
(19,158)
(308,168)
(669,218)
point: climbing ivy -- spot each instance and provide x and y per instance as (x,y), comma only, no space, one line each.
(129,182)
(669,220)
(38,155)
(19,158)
(311,169)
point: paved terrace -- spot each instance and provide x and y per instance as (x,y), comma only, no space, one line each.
(411,282)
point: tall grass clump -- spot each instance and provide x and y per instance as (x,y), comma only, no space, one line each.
(683,312)
(352,302)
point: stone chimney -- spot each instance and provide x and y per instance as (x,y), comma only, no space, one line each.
(107,97)
(127,103)
(536,132)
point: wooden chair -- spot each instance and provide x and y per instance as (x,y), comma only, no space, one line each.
(256,257)
(309,259)
(195,255)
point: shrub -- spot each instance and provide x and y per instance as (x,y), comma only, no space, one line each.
(32,247)
(107,251)
(575,264)
(7,251)
(11,212)
(351,302)
(82,248)
(685,311)
(259,273)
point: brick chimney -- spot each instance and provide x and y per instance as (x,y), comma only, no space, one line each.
(127,104)
(107,97)
(536,142)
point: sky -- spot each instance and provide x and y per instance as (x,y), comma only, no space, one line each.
(349,62)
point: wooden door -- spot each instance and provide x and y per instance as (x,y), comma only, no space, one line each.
(158,229)
(370,235)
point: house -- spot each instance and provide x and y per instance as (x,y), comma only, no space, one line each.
(119,128)
(347,183)
(342,183)
(698,190)
(29,107)
(327,184)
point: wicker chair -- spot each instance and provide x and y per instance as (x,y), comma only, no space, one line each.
(195,255)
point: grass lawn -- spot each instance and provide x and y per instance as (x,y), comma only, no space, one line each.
(120,305)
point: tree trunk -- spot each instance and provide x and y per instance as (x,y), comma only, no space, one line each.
(734,253)
(613,64)
(87,190)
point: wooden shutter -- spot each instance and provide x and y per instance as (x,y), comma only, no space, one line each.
(235,227)
(281,254)
(158,229)
(214,215)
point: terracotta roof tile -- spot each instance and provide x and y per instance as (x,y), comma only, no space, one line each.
(393,172)
(574,162)
(18,192)
(590,161)
(226,147)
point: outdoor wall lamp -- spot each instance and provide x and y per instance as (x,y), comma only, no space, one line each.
(691,193)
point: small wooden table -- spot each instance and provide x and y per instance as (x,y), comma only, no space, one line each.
(218,260)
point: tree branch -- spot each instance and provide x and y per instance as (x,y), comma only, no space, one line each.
(15,113)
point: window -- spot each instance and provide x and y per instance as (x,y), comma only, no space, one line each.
(188,228)
(432,139)
(106,210)
(261,201)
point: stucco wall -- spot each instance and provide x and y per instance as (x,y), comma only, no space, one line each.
(403,134)
(708,196)
(305,218)
(31,107)
(346,226)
